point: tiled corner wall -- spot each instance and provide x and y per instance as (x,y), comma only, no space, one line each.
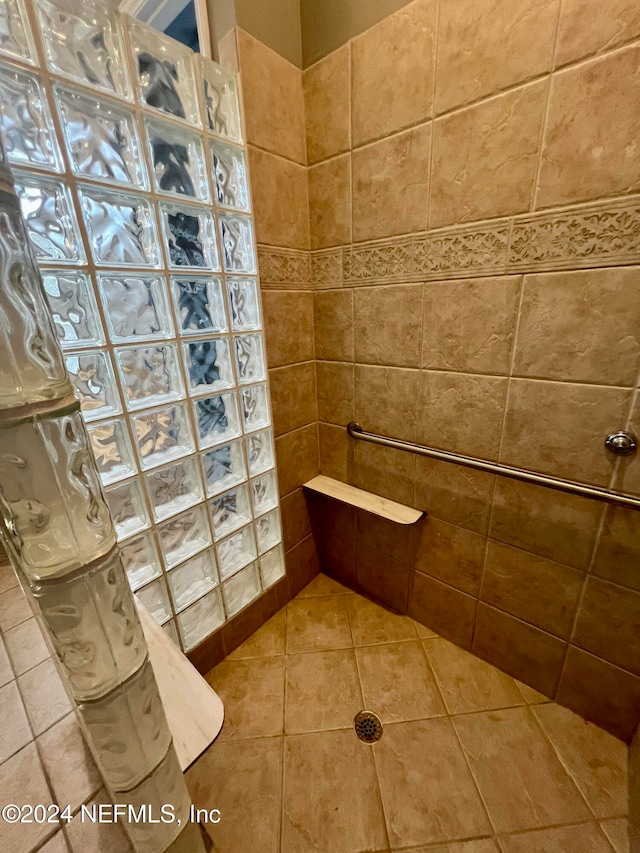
(475,240)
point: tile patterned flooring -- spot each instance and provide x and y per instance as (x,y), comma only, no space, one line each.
(471,761)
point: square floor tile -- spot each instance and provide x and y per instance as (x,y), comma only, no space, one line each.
(68,763)
(523,784)
(617,831)
(322,691)
(14,608)
(324,585)
(26,646)
(267,641)
(22,781)
(585,838)
(531,696)
(397,682)
(423,632)
(108,837)
(316,624)
(428,792)
(252,692)
(372,623)
(6,670)
(16,731)
(44,696)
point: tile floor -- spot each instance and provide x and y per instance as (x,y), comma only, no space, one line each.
(471,761)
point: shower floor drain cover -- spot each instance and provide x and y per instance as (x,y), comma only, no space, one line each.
(368,726)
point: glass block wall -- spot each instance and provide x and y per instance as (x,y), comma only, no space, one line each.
(128,158)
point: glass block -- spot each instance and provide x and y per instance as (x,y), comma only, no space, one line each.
(93,626)
(272,567)
(26,127)
(179,167)
(102,138)
(201,619)
(164,73)
(92,376)
(50,218)
(184,536)
(31,367)
(82,42)
(241,589)
(128,729)
(217,419)
(250,358)
(128,509)
(174,488)
(15,38)
(73,306)
(260,452)
(237,243)
(264,493)
(155,599)
(150,375)
(243,299)
(55,516)
(230,175)
(222,108)
(199,305)
(208,365)
(136,307)
(223,467)
(171,631)
(229,511)
(163,435)
(140,560)
(236,552)
(192,579)
(112,450)
(255,407)
(121,228)
(268,531)
(190,237)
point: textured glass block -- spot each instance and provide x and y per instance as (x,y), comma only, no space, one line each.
(150,375)
(26,127)
(268,531)
(230,175)
(174,488)
(140,560)
(222,108)
(73,306)
(136,307)
(155,599)
(217,419)
(237,243)
(102,138)
(92,376)
(32,367)
(199,305)
(260,452)
(272,567)
(128,509)
(82,42)
(121,228)
(164,73)
(179,167)
(208,365)
(236,552)
(15,38)
(50,496)
(192,579)
(190,237)
(112,450)
(241,589)
(243,301)
(50,218)
(128,729)
(223,467)
(229,511)
(93,626)
(255,407)
(250,358)
(183,536)
(201,619)
(163,435)
(264,493)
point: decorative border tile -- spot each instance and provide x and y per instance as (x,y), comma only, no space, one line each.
(382,261)
(288,268)
(326,267)
(474,250)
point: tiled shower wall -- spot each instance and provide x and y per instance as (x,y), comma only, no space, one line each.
(474,235)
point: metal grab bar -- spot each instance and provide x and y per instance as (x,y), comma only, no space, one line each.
(569,486)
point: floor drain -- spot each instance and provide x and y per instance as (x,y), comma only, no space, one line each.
(368,726)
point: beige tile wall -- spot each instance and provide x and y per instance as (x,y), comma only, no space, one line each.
(485,298)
